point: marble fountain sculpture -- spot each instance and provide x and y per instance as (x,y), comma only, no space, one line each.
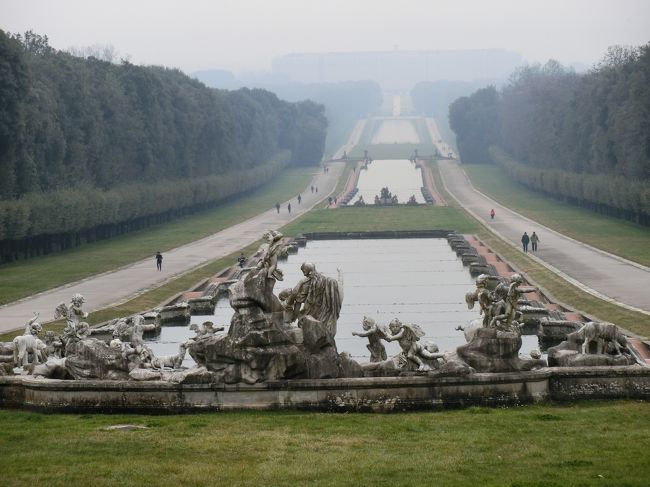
(291,337)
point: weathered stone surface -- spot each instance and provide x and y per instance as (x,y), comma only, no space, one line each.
(386,368)
(255,290)
(571,358)
(349,367)
(94,359)
(54,368)
(315,334)
(195,375)
(491,350)
(145,374)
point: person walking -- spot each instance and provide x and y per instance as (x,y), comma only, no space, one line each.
(533,241)
(159,261)
(299,199)
(277,207)
(312,188)
(524,241)
(289,208)
(241,260)
(492,213)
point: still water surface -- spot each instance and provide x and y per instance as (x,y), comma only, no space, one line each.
(416,280)
(401,177)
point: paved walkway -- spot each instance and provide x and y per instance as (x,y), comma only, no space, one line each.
(605,275)
(122,284)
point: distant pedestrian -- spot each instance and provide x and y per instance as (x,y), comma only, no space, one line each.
(324,169)
(277,207)
(289,208)
(241,260)
(524,241)
(329,199)
(159,261)
(335,201)
(312,188)
(492,213)
(316,188)
(299,199)
(533,241)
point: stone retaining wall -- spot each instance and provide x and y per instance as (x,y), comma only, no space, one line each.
(382,394)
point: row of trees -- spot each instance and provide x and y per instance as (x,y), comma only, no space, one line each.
(433,98)
(581,137)
(84,142)
(345,102)
(44,222)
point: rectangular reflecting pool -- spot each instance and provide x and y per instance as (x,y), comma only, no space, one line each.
(401,177)
(417,280)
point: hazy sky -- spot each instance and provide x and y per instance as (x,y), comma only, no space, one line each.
(246,34)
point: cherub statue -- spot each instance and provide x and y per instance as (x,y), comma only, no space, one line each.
(408,336)
(274,248)
(139,327)
(73,316)
(33,327)
(506,320)
(375,333)
(483,296)
(73,313)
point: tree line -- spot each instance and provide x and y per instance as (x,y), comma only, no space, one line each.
(91,149)
(432,99)
(345,102)
(582,137)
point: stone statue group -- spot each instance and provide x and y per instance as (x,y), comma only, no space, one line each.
(292,336)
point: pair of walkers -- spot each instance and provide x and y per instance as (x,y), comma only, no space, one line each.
(532,239)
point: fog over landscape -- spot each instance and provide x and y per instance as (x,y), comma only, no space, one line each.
(248,36)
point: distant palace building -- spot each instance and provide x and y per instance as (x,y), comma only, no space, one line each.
(399,70)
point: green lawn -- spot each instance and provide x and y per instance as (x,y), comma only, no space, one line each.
(371,218)
(25,278)
(595,443)
(610,234)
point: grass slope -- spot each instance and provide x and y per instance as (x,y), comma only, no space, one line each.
(610,234)
(25,278)
(371,218)
(542,445)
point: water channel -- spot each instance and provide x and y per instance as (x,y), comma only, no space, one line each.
(401,177)
(396,131)
(416,280)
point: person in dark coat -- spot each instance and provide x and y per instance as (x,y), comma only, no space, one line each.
(159,261)
(524,241)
